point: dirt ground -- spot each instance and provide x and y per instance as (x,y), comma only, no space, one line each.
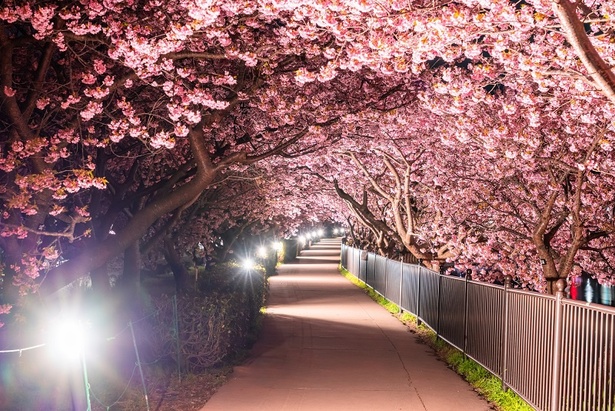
(188,395)
(170,394)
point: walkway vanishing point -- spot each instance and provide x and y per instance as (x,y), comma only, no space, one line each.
(326,346)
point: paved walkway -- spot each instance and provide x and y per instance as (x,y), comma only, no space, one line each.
(325,345)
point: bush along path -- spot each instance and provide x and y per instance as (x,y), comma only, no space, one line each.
(217,323)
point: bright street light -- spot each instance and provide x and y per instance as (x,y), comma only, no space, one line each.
(262,252)
(248,264)
(68,338)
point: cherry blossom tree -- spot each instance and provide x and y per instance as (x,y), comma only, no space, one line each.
(534,199)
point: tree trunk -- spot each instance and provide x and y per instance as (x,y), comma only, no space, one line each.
(100,280)
(131,276)
(96,254)
(174,259)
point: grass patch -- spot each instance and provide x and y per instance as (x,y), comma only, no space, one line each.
(390,306)
(485,383)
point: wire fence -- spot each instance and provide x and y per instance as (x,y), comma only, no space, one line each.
(185,334)
(128,332)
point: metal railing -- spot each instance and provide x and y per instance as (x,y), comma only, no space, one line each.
(556,353)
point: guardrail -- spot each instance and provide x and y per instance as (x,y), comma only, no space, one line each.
(556,353)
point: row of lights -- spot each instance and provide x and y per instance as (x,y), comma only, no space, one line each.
(313,235)
(262,251)
(275,246)
(317,234)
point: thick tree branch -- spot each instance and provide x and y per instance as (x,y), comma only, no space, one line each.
(98,254)
(574,30)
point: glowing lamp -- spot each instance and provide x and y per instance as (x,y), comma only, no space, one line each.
(69,338)
(247,264)
(262,252)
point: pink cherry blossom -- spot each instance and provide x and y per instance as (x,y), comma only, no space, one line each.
(9,92)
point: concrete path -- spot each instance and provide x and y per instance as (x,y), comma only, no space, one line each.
(325,345)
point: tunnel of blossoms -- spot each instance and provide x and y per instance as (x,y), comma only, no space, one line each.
(475,133)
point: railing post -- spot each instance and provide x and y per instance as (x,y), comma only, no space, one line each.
(358,274)
(507,286)
(364,256)
(386,277)
(465,314)
(134,341)
(401,284)
(418,297)
(438,306)
(560,285)
(86,382)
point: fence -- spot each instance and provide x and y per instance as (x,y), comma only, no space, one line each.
(104,349)
(556,353)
